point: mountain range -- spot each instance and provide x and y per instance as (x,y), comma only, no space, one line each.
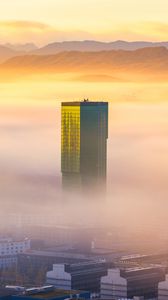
(28,47)
(6,53)
(90,65)
(94,46)
(10,50)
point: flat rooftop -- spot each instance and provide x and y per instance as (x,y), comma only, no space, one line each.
(141,256)
(142,268)
(84,102)
(55,254)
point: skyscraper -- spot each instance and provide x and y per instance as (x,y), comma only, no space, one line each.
(84,144)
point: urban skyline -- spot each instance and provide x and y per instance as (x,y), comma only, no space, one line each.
(83,183)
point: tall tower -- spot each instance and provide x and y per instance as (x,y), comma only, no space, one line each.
(84,134)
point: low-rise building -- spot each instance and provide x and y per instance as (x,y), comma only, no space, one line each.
(34,262)
(163,289)
(9,250)
(82,276)
(127,283)
(10,247)
(8,261)
(38,259)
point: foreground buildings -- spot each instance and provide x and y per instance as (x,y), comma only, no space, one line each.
(131,282)
(111,283)
(83,276)
(84,133)
(163,289)
(101,274)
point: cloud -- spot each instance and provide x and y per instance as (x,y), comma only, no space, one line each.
(157,29)
(24,25)
(23,31)
(149,31)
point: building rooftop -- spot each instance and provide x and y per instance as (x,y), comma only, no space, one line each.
(84,102)
(135,269)
(11,240)
(132,256)
(144,256)
(56,254)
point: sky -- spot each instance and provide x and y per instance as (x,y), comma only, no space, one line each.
(44,21)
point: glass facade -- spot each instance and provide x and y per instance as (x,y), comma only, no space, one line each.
(84,143)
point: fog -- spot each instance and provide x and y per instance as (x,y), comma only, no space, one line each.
(137,162)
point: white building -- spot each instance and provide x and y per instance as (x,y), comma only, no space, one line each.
(163,289)
(131,282)
(8,247)
(113,286)
(7,262)
(84,276)
(59,277)
(9,250)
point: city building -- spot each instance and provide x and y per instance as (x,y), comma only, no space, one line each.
(144,259)
(34,262)
(44,258)
(82,276)
(127,283)
(9,250)
(10,247)
(8,261)
(84,133)
(163,289)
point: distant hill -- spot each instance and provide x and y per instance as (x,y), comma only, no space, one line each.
(103,64)
(77,61)
(22,47)
(94,46)
(10,50)
(6,53)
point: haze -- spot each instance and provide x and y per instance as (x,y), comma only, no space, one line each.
(77,20)
(137,154)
